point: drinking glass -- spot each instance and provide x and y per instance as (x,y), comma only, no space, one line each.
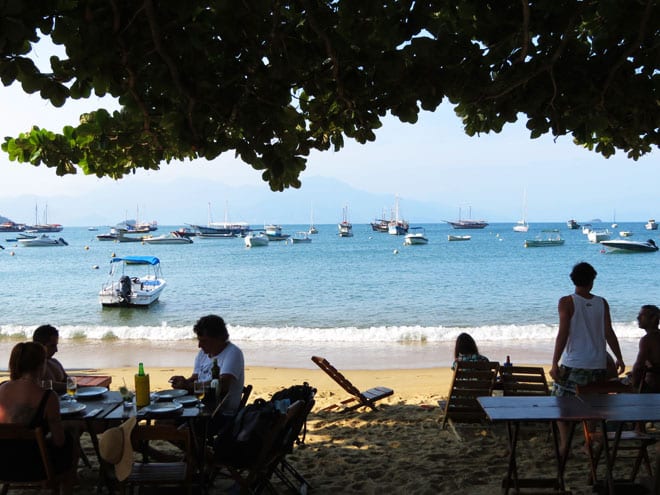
(47,384)
(71,387)
(199,388)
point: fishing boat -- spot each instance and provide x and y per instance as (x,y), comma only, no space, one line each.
(416,235)
(625,245)
(345,227)
(274,233)
(256,239)
(42,241)
(172,238)
(301,238)
(10,226)
(596,236)
(129,290)
(45,226)
(553,239)
(651,225)
(240,229)
(522,225)
(572,224)
(465,224)
(380,224)
(453,238)
(397,226)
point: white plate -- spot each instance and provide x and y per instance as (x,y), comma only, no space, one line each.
(162,408)
(186,400)
(89,392)
(169,394)
(71,408)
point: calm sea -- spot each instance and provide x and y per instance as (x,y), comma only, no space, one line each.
(363,302)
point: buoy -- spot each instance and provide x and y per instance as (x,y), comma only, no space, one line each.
(396,251)
(86,248)
(11,253)
(113,255)
(95,267)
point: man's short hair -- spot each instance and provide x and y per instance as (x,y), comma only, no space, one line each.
(652,310)
(583,274)
(211,326)
(44,333)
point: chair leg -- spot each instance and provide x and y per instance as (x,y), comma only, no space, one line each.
(5,488)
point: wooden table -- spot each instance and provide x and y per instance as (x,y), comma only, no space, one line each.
(547,409)
(93,380)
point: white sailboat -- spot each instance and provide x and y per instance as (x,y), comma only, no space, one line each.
(312,228)
(522,225)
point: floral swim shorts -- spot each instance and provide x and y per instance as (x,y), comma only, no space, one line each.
(569,378)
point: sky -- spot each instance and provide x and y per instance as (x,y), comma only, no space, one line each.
(432,166)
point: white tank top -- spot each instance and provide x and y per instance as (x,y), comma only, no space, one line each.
(586,346)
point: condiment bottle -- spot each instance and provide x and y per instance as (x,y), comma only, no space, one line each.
(215,380)
(142,393)
(508,361)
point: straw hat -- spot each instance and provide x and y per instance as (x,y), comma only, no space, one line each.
(115,448)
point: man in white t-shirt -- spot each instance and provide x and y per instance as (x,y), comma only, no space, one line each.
(213,342)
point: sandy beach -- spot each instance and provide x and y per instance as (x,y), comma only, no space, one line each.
(400,448)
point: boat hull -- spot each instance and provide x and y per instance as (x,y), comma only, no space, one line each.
(130,291)
(413,240)
(42,241)
(543,242)
(455,238)
(258,240)
(631,246)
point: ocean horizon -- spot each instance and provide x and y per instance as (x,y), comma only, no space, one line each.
(366,302)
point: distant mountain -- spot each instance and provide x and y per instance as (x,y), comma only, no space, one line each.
(4,219)
(187,201)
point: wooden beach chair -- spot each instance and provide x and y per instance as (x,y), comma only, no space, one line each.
(472,379)
(523,381)
(368,398)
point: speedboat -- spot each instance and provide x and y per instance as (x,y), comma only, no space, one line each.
(651,225)
(631,246)
(301,238)
(597,236)
(256,240)
(172,238)
(572,224)
(417,235)
(452,238)
(625,233)
(43,240)
(131,291)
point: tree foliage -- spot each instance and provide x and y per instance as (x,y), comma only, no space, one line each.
(272,80)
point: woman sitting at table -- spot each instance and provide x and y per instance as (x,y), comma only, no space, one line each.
(466,350)
(24,402)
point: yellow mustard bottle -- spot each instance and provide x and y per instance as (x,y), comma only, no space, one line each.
(142,393)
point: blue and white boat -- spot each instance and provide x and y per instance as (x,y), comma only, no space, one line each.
(128,290)
(416,235)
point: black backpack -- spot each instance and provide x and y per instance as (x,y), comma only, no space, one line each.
(241,444)
(295,393)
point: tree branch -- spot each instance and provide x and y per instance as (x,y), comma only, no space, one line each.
(525,31)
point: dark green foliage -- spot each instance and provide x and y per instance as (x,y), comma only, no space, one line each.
(272,81)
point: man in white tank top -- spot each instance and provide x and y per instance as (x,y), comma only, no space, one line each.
(585,330)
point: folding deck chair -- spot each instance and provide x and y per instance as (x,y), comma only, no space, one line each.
(472,379)
(368,398)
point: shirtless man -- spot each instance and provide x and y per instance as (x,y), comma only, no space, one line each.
(649,350)
(49,337)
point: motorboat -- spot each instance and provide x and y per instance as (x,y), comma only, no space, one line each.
(651,225)
(553,239)
(467,224)
(416,235)
(452,238)
(597,236)
(572,224)
(42,240)
(172,238)
(586,228)
(345,227)
(301,238)
(625,233)
(274,233)
(216,235)
(631,246)
(132,291)
(109,236)
(256,239)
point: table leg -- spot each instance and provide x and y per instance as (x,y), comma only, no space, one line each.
(512,474)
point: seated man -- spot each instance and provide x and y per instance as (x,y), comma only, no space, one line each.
(213,341)
(648,357)
(49,337)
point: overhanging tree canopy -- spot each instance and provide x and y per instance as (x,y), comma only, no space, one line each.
(273,80)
